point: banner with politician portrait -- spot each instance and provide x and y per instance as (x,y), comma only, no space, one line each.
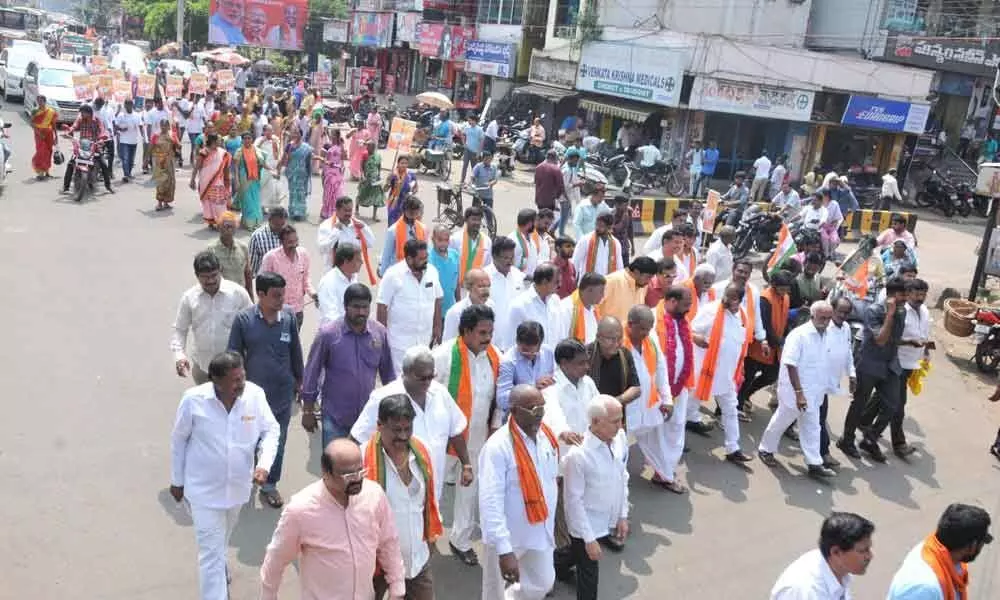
(277,24)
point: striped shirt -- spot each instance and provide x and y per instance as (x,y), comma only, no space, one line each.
(262,241)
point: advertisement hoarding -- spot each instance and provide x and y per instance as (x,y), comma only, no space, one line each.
(371,29)
(645,74)
(406,26)
(490,58)
(446,42)
(741,98)
(888,115)
(336,30)
(977,57)
(263,23)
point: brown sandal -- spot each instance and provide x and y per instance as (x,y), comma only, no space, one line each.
(272,498)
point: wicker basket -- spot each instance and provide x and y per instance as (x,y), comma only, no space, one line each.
(959,315)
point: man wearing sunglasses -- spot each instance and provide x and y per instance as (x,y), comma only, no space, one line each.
(330,527)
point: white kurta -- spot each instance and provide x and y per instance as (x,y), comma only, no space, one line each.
(595,486)
(566,311)
(758,322)
(484,387)
(566,405)
(674,428)
(527,250)
(332,233)
(503,290)
(454,314)
(733,337)
(529,306)
(456,243)
(601,258)
(638,414)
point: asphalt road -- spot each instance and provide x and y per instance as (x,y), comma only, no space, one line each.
(91,294)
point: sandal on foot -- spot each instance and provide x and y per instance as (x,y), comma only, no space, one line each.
(272,498)
(671,486)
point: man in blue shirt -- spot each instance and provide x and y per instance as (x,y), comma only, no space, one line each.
(484,177)
(527,362)
(445,260)
(226,25)
(709,160)
(474,136)
(443,132)
(736,198)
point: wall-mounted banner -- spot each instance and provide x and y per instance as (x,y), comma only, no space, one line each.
(490,58)
(743,98)
(651,75)
(888,115)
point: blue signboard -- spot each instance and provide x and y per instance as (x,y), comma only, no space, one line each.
(490,58)
(888,115)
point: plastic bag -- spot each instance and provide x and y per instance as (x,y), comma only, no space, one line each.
(916,380)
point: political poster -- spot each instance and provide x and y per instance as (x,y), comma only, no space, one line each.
(224,80)
(98,64)
(83,86)
(276,24)
(198,84)
(707,221)
(322,79)
(105,85)
(401,135)
(174,87)
(122,90)
(146,87)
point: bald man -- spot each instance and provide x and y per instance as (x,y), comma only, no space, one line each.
(611,366)
(519,460)
(595,492)
(477,291)
(338,528)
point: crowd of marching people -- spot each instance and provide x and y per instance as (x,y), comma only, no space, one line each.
(522,370)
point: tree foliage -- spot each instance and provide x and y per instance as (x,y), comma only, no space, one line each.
(100,14)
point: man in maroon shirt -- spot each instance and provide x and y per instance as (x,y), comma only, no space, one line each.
(663,281)
(549,185)
(564,261)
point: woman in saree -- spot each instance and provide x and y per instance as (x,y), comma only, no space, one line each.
(249,165)
(374,125)
(358,154)
(402,182)
(333,174)
(296,162)
(270,150)
(232,145)
(370,191)
(317,130)
(43,121)
(163,146)
(212,172)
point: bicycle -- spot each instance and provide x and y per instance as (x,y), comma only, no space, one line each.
(452,214)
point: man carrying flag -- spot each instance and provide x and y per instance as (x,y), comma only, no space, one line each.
(784,251)
(472,244)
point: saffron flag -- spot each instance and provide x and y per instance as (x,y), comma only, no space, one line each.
(784,250)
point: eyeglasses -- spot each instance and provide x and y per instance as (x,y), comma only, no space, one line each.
(538,411)
(353,476)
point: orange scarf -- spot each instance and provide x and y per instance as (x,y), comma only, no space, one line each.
(691,262)
(527,476)
(578,322)
(250,162)
(779,320)
(649,359)
(689,284)
(375,465)
(703,391)
(399,230)
(359,232)
(592,254)
(460,379)
(470,259)
(939,560)
(523,244)
(750,305)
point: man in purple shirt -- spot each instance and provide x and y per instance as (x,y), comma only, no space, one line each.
(344,358)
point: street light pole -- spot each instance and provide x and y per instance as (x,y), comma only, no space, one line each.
(180,27)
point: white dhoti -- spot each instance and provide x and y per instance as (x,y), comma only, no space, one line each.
(809,426)
(465,518)
(730,421)
(727,364)
(692,409)
(673,437)
(536,569)
(212,530)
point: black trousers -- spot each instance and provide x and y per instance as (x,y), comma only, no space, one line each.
(824,431)
(888,403)
(896,433)
(586,571)
(756,376)
(884,203)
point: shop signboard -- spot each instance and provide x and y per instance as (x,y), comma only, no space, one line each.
(371,29)
(406,26)
(336,30)
(978,57)
(741,98)
(264,23)
(652,75)
(888,115)
(490,58)
(446,42)
(552,71)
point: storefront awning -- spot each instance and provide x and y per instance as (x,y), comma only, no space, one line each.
(545,91)
(623,110)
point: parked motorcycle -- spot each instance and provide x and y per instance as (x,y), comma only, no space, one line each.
(986,336)
(939,192)
(661,176)
(505,156)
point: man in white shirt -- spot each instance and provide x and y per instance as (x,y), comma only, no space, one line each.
(761,178)
(507,282)
(751,295)
(598,251)
(719,253)
(479,364)
(649,154)
(409,302)
(395,459)
(195,122)
(153,118)
(778,174)
(492,133)
(539,303)
(104,112)
(694,157)
(585,214)
(439,422)
(344,228)
(787,201)
(890,191)
(332,286)
(678,219)
(472,243)
(595,491)
(529,244)
(671,245)
(577,312)
(206,311)
(825,573)
(477,287)
(128,125)
(518,467)
(803,382)
(213,449)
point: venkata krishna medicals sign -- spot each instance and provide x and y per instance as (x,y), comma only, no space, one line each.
(652,75)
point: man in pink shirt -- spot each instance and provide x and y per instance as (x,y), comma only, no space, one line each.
(338,528)
(897,231)
(291,262)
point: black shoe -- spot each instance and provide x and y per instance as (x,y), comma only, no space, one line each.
(612,543)
(699,427)
(848,448)
(871,449)
(738,457)
(767,458)
(821,471)
(830,462)
(109,190)
(468,557)
(903,450)
(995,451)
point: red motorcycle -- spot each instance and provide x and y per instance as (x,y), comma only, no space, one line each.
(987,339)
(88,162)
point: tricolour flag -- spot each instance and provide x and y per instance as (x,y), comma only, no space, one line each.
(784,251)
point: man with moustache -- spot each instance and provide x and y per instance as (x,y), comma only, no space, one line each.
(506,283)
(286,35)
(226,25)
(825,573)
(477,291)
(578,311)
(611,366)
(531,249)
(339,529)
(598,251)
(344,228)
(255,25)
(517,502)
(673,332)
(213,447)
(409,302)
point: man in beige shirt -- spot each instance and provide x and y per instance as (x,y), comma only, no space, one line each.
(233,255)
(627,288)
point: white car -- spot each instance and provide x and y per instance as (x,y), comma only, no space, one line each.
(54,80)
(13,62)
(172,65)
(133,56)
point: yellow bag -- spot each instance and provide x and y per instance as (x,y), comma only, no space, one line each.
(916,379)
